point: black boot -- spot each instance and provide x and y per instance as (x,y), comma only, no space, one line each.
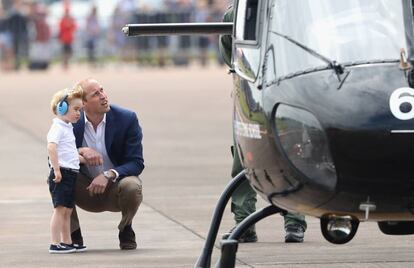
(294,233)
(249,236)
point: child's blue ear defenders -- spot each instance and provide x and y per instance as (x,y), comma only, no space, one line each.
(62,106)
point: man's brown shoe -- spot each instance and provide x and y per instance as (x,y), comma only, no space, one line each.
(127,238)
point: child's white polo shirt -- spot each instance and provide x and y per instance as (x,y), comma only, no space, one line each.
(61,133)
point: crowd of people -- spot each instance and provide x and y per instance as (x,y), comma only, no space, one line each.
(30,38)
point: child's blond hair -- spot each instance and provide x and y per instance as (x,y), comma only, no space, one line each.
(74,93)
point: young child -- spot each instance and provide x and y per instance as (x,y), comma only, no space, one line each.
(64,162)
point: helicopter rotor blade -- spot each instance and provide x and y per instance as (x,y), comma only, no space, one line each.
(157,29)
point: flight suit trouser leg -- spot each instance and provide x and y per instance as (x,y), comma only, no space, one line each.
(244,198)
(243,201)
(295,218)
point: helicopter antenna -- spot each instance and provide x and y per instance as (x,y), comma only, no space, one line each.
(338,68)
(404,64)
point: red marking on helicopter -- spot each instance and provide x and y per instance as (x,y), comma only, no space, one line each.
(249,156)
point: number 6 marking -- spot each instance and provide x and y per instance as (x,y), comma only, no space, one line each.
(398,97)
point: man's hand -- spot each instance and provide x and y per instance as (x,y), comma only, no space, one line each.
(98,185)
(92,157)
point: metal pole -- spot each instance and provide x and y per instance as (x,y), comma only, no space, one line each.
(205,258)
(229,246)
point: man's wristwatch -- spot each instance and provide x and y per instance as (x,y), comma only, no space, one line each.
(109,175)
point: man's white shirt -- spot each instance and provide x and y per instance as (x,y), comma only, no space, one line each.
(61,133)
(96,140)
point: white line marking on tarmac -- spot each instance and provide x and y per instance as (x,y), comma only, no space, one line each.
(23,201)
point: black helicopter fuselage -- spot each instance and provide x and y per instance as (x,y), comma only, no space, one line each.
(323,106)
(371,158)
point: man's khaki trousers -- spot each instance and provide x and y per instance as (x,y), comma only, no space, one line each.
(124,196)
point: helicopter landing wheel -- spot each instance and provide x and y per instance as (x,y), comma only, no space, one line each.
(339,230)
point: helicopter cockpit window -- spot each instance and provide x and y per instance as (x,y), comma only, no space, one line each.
(247,24)
(343,31)
(246,20)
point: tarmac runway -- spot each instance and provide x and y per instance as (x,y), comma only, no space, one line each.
(186,119)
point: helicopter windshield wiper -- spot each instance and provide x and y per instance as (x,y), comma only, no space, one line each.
(337,67)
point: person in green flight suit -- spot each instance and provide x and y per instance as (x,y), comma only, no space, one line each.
(244,198)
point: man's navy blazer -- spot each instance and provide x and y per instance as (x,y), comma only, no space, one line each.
(123,140)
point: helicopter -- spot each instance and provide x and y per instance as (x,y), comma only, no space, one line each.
(323,112)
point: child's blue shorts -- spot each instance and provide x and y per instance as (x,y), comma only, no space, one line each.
(63,193)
